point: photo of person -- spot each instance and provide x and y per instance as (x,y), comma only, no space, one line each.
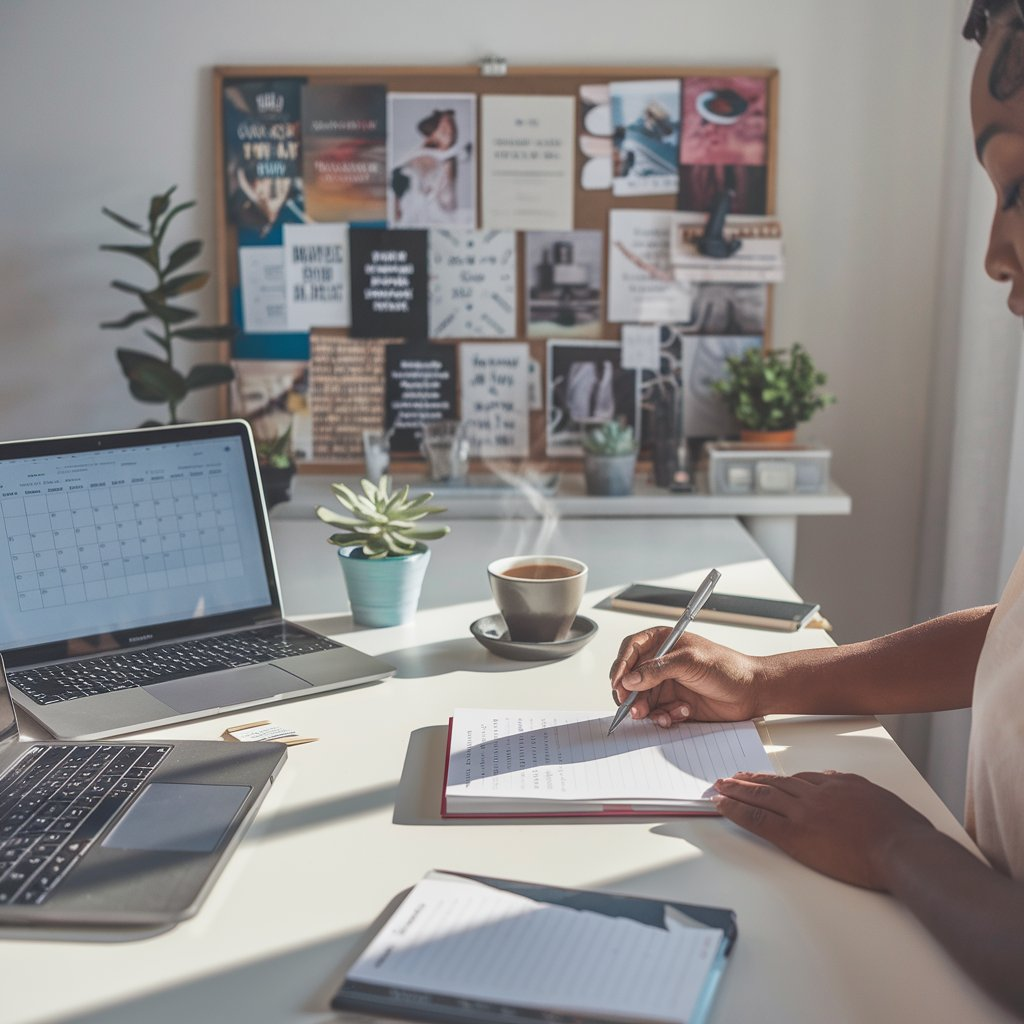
(431,178)
(586,385)
(705,416)
(645,137)
(563,293)
(724,143)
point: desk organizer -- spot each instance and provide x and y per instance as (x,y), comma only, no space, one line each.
(738,468)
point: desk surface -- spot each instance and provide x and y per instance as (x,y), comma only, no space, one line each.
(354,819)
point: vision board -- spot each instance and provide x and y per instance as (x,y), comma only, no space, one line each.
(519,250)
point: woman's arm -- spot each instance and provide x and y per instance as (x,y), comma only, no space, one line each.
(849,828)
(928,667)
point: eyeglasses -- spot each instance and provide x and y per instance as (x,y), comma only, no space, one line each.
(976,25)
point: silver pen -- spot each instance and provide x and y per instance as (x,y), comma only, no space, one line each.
(689,614)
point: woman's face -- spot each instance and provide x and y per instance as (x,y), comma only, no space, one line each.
(999,140)
(443,136)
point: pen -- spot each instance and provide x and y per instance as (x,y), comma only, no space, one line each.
(689,614)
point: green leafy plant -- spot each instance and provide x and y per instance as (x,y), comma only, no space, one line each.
(611,438)
(383,524)
(276,451)
(154,378)
(772,389)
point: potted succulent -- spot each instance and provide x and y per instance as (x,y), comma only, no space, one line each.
(382,549)
(276,465)
(771,391)
(609,458)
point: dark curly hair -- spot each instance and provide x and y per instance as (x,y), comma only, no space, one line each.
(1007,75)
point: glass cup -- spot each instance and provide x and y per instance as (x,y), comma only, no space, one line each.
(376,453)
(446,448)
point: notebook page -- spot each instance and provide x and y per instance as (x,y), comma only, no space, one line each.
(568,755)
(482,943)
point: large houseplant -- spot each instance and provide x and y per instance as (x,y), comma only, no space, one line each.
(153,377)
(382,548)
(609,458)
(771,391)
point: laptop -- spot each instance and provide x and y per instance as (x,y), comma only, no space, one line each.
(138,585)
(125,839)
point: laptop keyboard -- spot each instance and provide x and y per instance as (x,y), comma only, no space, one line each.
(55,802)
(88,677)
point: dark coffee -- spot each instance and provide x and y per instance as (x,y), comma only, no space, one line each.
(538,571)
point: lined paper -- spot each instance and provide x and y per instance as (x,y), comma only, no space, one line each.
(569,756)
(460,938)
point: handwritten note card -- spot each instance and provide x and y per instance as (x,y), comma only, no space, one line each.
(472,283)
(495,398)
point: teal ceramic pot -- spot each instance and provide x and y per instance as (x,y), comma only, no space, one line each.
(609,474)
(383,591)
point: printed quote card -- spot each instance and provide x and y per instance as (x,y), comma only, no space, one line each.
(420,389)
(528,162)
(472,284)
(389,283)
(316,275)
(493,380)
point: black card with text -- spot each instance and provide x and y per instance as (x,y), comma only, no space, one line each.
(420,389)
(389,283)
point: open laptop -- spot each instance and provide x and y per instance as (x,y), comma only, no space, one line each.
(138,585)
(123,837)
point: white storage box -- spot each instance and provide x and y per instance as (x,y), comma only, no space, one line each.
(738,468)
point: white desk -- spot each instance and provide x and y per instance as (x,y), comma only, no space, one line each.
(770,519)
(353,819)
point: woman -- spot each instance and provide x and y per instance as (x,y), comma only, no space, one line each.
(843,825)
(425,182)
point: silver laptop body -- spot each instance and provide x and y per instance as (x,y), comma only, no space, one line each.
(118,840)
(136,576)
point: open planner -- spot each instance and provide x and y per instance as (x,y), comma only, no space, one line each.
(533,763)
(467,948)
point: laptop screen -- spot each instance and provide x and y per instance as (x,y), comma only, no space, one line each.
(113,537)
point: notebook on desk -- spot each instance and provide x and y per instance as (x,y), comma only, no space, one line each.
(138,585)
(530,763)
(470,948)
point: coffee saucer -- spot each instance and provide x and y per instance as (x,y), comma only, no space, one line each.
(492,632)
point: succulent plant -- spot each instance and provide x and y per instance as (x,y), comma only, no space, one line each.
(611,438)
(774,389)
(382,523)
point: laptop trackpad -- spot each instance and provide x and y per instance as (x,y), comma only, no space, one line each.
(225,689)
(179,817)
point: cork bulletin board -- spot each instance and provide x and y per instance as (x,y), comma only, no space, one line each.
(552,301)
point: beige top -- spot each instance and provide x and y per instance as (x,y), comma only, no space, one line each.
(994,813)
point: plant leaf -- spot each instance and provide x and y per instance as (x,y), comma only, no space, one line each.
(146,253)
(345,540)
(162,342)
(127,286)
(169,314)
(214,332)
(332,518)
(184,283)
(126,321)
(185,253)
(162,230)
(436,534)
(370,490)
(151,379)
(158,207)
(124,221)
(207,375)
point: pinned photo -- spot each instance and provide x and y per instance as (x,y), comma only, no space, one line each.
(563,293)
(431,160)
(645,137)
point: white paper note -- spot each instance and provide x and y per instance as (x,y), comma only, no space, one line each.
(569,756)
(316,269)
(261,273)
(528,160)
(495,397)
(641,285)
(641,347)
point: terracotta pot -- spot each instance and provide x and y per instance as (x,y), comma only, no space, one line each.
(775,438)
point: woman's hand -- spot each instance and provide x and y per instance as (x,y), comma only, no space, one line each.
(839,824)
(697,679)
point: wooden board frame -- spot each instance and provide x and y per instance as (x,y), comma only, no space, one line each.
(591,208)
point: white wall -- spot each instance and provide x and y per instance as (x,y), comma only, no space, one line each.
(108,101)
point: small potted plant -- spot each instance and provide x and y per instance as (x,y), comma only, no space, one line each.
(277,467)
(382,549)
(771,391)
(609,458)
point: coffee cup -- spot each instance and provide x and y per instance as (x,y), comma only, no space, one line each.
(537,595)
